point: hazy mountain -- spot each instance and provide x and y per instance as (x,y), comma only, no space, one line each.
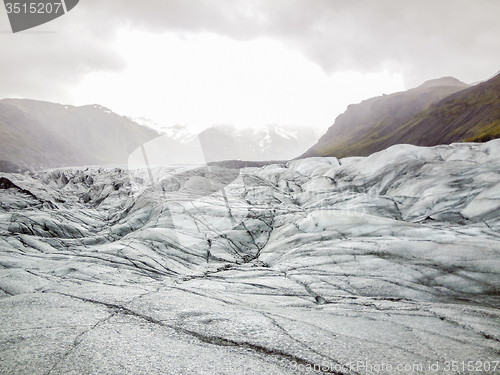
(40,134)
(178,132)
(218,145)
(37,134)
(377,123)
(272,142)
(227,142)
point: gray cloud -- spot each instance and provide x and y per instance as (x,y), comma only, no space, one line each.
(46,61)
(423,40)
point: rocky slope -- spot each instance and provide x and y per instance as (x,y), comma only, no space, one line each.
(38,134)
(338,266)
(378,123)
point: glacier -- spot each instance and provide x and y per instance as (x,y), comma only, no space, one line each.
(364,265)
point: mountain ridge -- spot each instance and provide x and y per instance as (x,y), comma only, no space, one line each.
(224,142)
(39,134)
(361,128)
(441,111)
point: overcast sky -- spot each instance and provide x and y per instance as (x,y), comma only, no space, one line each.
(248,63)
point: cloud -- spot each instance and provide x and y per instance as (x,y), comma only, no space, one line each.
(46,61)
(423,40)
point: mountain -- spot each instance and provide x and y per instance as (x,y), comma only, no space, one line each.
(177,146)
(374,124)
(39,134)
(227,142)
(471,115)
(272,142)
(178,132)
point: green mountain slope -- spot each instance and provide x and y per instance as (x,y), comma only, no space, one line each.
(38,134)
(471,115)
(377,123)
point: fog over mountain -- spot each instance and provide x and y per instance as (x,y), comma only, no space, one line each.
(228,142)
(36,134)
(39,134)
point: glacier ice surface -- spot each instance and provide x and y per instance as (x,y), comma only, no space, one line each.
(320,263)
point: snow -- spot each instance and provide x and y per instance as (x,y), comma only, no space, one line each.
(285,134)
